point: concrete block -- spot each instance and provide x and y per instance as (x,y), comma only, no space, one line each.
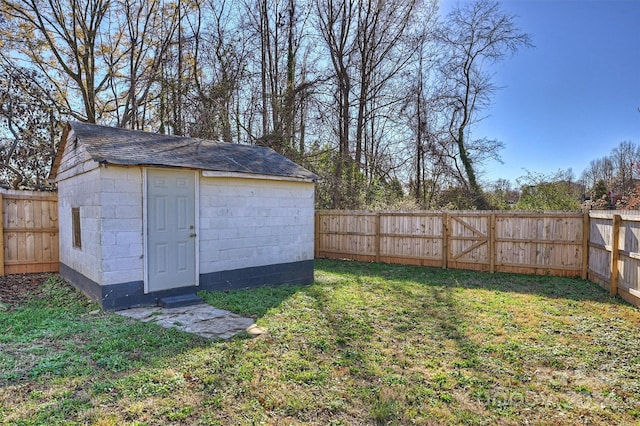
(109,185)
(247,231)
(127,179)
(134,174)
(111,251)
(109,211)
(212,234)
(112,225)
(124,264)
(108,238)
(136,250)
(118,277)
(122,199)
(128,211)
(229,233)
(238,202)
(128,237)
(217,223)
(262,231)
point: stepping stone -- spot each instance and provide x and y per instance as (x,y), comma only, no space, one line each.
(203,320)
(179,301)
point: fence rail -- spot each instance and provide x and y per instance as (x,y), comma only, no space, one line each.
(29,232)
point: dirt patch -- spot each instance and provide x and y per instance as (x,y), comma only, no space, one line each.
(16,289)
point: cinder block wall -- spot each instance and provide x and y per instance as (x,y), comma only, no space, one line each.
(82,191)
(122,233)
(252,222)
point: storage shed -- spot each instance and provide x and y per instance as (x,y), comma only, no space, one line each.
(145,216)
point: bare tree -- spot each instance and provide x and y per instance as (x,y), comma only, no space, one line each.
(615,172)
(419,110)
(336,26)
(370,45)
(384,49)
(218,69)
(623,157)
(475,34)
(139,43)
(63,40)
(600,169)
(279,29)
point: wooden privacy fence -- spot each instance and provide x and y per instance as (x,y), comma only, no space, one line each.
(531,243)
(29,232)
(614,253)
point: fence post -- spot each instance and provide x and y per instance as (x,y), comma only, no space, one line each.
(445,240)
(1,236)
(615,255)
(377,237)
(586,229)
(492,243)
(316,231)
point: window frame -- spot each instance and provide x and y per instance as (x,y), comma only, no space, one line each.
(76,229)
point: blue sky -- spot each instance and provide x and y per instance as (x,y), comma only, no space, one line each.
(574,96)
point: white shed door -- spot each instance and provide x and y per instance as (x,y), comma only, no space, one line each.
(171,219)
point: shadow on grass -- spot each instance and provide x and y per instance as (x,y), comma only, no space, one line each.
(386,328)
(254,302)
(471,364)
(371,343)
(257,302)
(546,286)
(355,321)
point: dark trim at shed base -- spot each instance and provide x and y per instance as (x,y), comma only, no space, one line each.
(131,294)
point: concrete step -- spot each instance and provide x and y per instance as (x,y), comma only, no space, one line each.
(179,301)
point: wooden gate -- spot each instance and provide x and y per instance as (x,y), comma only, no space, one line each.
(468,237)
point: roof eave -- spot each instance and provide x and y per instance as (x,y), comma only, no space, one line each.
(217,173)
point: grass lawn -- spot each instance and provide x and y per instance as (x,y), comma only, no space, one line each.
(365,344)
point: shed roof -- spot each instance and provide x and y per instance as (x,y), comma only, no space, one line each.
(110,145)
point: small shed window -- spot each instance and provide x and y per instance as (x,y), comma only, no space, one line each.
(75,225)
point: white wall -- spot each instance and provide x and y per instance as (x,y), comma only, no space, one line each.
(122,237)
(253,222)
(81,191)
(110,201)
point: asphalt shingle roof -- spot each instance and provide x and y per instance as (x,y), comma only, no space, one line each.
(130,147)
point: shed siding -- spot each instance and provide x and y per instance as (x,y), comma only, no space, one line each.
(122,237)
(250,223)
(82,191)
(75,159)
